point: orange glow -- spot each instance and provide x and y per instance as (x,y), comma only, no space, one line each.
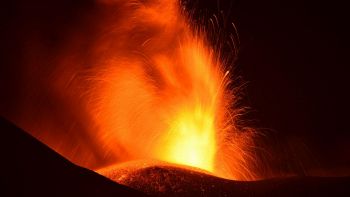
(176,122)
(192,140)
(190,137)
(167,100)
(138,81)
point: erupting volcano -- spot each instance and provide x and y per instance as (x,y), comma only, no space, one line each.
(114,97)
(136,80)
(162,93)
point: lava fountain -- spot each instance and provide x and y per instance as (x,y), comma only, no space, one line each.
(139,91)
(134,80)
(162,93)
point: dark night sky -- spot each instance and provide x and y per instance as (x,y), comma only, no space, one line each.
(293,56)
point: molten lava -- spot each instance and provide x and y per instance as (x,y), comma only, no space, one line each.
(164,94)
(191,140)
(143,83)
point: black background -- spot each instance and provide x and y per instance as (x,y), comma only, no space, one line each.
(293,57)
